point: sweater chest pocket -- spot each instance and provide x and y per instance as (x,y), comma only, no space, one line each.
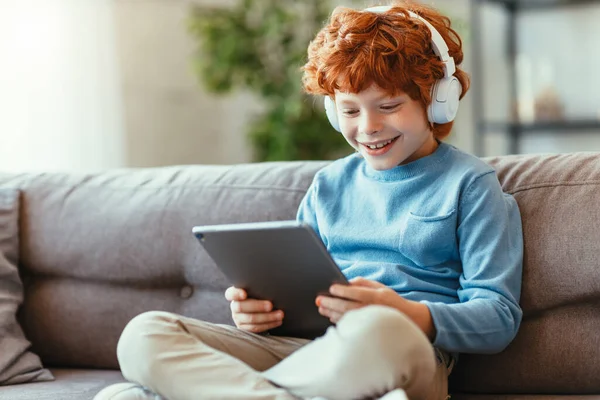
(429,240)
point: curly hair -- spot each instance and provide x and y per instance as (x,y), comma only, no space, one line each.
(357,49)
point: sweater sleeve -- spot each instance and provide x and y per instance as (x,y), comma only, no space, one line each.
(490,241)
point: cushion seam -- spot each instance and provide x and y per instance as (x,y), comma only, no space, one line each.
(210,186)
(552,184)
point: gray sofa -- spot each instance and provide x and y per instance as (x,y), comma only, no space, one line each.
(98,249)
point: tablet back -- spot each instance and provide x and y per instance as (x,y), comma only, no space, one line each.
(284,262)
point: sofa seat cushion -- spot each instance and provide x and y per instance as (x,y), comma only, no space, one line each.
(70,384)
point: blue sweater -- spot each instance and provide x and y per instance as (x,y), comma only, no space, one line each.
(438,230)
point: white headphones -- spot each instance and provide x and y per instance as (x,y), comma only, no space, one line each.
(445,93)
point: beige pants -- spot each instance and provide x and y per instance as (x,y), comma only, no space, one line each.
(370,352)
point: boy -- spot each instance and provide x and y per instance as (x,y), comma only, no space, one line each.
(432,246)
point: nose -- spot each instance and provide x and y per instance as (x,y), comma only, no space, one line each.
(370,124)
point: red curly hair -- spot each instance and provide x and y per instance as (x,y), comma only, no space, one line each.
(357,49)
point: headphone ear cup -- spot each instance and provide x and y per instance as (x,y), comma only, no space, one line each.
(445,96)
(331,111)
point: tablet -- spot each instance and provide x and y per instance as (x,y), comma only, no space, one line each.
(284,262)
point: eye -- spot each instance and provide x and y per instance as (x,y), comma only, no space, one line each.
(389,107)
(350,112)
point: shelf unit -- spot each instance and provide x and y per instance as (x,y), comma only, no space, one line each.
(514,130)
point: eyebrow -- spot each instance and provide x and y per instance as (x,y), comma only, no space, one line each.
(378,99)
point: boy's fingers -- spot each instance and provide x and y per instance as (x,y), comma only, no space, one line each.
(251,306)
(354,292)
(333,315)
(360,281)
(336,304)
(259,318)
(233,293)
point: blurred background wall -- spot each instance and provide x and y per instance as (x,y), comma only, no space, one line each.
(168,118)
(557,56)
(61,104)
(100,84)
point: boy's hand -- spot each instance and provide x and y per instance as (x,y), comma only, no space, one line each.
(362,292)
(250,314)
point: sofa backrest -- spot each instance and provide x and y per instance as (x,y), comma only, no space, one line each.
(557,349)
(98,249)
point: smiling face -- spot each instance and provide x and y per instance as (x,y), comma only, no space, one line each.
(386,131)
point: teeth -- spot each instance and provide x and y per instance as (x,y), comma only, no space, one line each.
(380,145)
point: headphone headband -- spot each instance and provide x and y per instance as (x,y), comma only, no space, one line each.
(440,48)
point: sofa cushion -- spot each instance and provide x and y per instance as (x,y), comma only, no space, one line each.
(558,346)
(70,384)
(17,363)
(99,249)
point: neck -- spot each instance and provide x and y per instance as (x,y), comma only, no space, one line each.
(428,147)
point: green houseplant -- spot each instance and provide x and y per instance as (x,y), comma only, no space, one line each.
(260,46)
